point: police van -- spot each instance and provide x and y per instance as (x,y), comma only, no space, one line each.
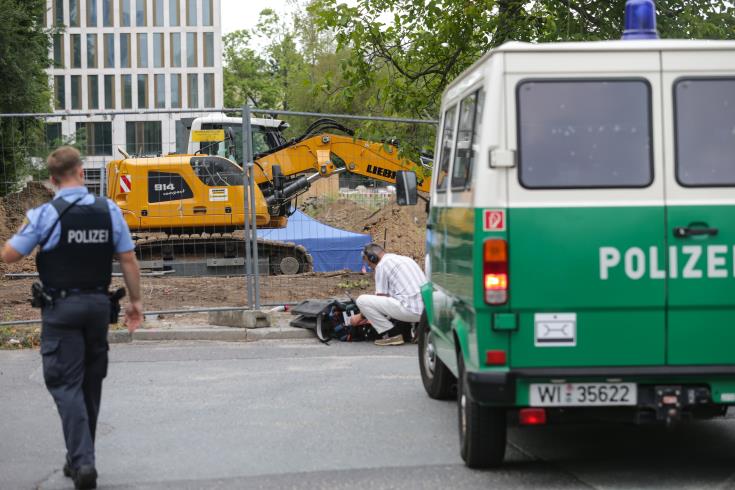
(581,237)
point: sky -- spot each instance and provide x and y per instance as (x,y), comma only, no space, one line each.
(243,14)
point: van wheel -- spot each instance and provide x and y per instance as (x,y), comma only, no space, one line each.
(482,430)
(438,380)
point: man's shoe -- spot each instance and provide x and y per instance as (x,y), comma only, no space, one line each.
(85,477)
(67,470)
(395,340)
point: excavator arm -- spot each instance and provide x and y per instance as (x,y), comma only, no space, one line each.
(324,155)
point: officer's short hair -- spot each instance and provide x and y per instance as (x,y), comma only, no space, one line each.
(63,161)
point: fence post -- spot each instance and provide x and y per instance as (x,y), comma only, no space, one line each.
(249,160)
(246,145)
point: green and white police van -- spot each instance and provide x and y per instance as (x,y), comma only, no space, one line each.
(581,238)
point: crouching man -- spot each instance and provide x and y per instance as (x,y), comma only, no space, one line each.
(398,282)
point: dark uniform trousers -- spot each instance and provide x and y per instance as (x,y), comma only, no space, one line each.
(74,349)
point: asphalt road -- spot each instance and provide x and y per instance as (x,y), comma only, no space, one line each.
(302,415)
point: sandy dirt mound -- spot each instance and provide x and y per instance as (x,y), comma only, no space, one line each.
(13,208)
(400,229)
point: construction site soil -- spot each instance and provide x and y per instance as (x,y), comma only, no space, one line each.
(399,229)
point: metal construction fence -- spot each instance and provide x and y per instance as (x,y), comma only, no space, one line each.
(316,192)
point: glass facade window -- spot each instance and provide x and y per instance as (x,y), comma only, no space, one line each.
(93,92)
(109,91)
(192,90)
(124,13)
(108,19)
(126,91)
(73,13)
(76,92)
(175,90)
(208,90)
(158,50)
(191,49)
(76,50)
(97,137)
(109,50)
(125,50)
(159,89)
(91,13)
(92,51)
(141,13)
(59,92)
(58,12)
(59,50)
(142,50)
(158,13)
(175,49)
(174,12)
(191,12)
(143,137)
(54,137)
(207,12)
(209,49)
(142,91)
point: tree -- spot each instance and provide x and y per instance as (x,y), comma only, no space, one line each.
(24,48)
(246,78)
(409,50)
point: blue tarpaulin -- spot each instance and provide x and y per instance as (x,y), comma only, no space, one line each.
(332,249)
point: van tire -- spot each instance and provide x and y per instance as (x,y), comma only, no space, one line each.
(438,380)
(482,430)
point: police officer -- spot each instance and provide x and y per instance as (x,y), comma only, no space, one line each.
(78,235)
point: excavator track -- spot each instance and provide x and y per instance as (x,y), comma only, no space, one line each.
(218,254)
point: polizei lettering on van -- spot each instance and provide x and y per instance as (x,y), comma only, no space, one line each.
(687,262)
(88,236)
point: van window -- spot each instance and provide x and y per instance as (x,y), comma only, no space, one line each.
(584,134)
(705,132)
(446,149)
(470,115)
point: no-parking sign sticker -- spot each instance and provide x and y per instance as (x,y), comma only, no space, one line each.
(494,220)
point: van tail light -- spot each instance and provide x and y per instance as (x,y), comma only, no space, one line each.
(495,271)
(532,416)
(496,358)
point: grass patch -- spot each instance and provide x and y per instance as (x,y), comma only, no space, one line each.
(12,338)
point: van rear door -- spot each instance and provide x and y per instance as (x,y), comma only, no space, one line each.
(700,198)
(586,216)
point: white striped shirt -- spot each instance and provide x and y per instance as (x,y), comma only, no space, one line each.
(401,278)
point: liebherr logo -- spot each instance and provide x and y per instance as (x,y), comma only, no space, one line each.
(687,262)
(383,172)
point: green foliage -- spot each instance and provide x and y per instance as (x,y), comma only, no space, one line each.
(407,51)
(24,47)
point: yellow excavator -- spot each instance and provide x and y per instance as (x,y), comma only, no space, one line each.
(186,210)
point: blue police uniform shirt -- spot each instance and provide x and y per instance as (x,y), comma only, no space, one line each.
(41,219)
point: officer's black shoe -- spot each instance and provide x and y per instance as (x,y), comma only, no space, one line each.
(67,470)
(85,477)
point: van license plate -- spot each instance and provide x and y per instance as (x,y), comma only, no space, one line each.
(583,394)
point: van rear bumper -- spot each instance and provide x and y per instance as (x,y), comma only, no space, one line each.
(499,388)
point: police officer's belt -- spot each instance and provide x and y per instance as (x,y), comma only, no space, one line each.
(65,293)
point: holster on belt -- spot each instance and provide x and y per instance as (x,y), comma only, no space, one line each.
(39,297)
(115,298)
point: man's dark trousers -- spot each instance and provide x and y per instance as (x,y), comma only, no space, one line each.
(74,350)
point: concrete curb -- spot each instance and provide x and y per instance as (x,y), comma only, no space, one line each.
(218,334)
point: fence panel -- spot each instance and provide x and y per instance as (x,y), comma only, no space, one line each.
(185,203)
